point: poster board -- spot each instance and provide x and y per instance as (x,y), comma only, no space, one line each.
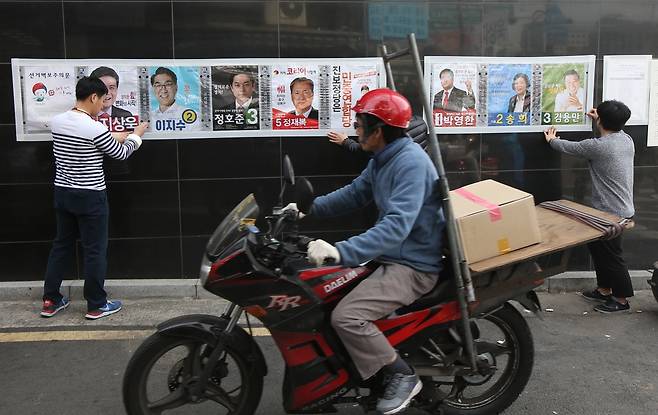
(470,94)
(652,132)
(200,98)
(626,79)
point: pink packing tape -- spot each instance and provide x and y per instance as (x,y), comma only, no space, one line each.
(494,210)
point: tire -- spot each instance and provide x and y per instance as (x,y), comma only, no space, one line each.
(653,282)
(514,377)
(136,379)
(654,289)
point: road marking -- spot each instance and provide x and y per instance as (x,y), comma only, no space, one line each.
(94,335)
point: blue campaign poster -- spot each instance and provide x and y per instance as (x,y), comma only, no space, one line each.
(509,94)
(175,98)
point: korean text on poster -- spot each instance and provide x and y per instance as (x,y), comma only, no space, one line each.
(454,95)
(235,100)
(295,102)
(47,91)
(120,111)
(509,96)
(348,84)
(175,98)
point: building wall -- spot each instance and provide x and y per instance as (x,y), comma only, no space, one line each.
(168,197)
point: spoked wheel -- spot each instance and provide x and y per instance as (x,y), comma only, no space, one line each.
(163,370)
(505,355)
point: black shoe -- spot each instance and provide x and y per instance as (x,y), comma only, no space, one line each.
(595,296)
(400,389)
(613,306)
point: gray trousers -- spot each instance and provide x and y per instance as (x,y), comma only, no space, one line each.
(390,287)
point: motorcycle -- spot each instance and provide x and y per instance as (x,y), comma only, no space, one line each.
(210,360)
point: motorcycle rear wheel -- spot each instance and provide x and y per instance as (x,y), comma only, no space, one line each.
(482,395)
(169,359)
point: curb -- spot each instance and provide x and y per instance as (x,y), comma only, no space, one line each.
(192,289)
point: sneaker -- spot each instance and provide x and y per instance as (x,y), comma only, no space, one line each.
(400,389)
(110,307)
(50,308)
(595,296)
(613,306)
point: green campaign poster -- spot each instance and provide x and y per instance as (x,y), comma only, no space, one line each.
(563,98)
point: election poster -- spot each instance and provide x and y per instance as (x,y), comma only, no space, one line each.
(626,79)
(235,97)
(294,100)
(563,98)
(652,131)
(121,105)
(199,98)
(454,94)
(175,99)
(47,91)
(509,94)
(348,84)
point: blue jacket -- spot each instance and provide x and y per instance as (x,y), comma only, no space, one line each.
(403,183)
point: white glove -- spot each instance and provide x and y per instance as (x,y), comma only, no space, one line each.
(293,207)
(319,251)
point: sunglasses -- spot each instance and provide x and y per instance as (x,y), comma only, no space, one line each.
(357,125)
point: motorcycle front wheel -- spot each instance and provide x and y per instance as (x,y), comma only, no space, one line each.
(163,368)
(504,344)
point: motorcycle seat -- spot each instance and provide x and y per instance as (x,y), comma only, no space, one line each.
(443,291)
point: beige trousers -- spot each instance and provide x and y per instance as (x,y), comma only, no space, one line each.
(390,287)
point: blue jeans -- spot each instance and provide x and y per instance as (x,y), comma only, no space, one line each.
(81,213)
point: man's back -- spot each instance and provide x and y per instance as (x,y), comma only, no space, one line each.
(79,143)
(611,168)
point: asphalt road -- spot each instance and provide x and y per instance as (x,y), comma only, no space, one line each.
(585,364)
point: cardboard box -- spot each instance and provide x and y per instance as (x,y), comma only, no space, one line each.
(493,219)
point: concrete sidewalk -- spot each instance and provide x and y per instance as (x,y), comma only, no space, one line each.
(190,288)
(144,314)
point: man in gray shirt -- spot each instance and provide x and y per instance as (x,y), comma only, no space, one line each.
(610,159)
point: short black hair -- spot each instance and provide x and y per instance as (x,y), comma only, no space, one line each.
(233,75)
(613,115)
(448,71)
(105,71)
(301,79)
(162,70)
(371,123)
(88,86)
(572,72)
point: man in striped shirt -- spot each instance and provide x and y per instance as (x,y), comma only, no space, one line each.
(79,144)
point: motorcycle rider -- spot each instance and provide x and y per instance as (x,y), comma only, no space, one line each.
(401,179)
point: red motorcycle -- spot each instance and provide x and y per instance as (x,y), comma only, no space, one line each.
(212,361)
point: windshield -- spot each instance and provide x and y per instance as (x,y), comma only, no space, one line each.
(233,226)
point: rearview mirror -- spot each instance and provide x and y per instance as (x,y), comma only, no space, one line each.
(288,172)
(304,195)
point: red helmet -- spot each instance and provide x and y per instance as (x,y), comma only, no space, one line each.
(387,105)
